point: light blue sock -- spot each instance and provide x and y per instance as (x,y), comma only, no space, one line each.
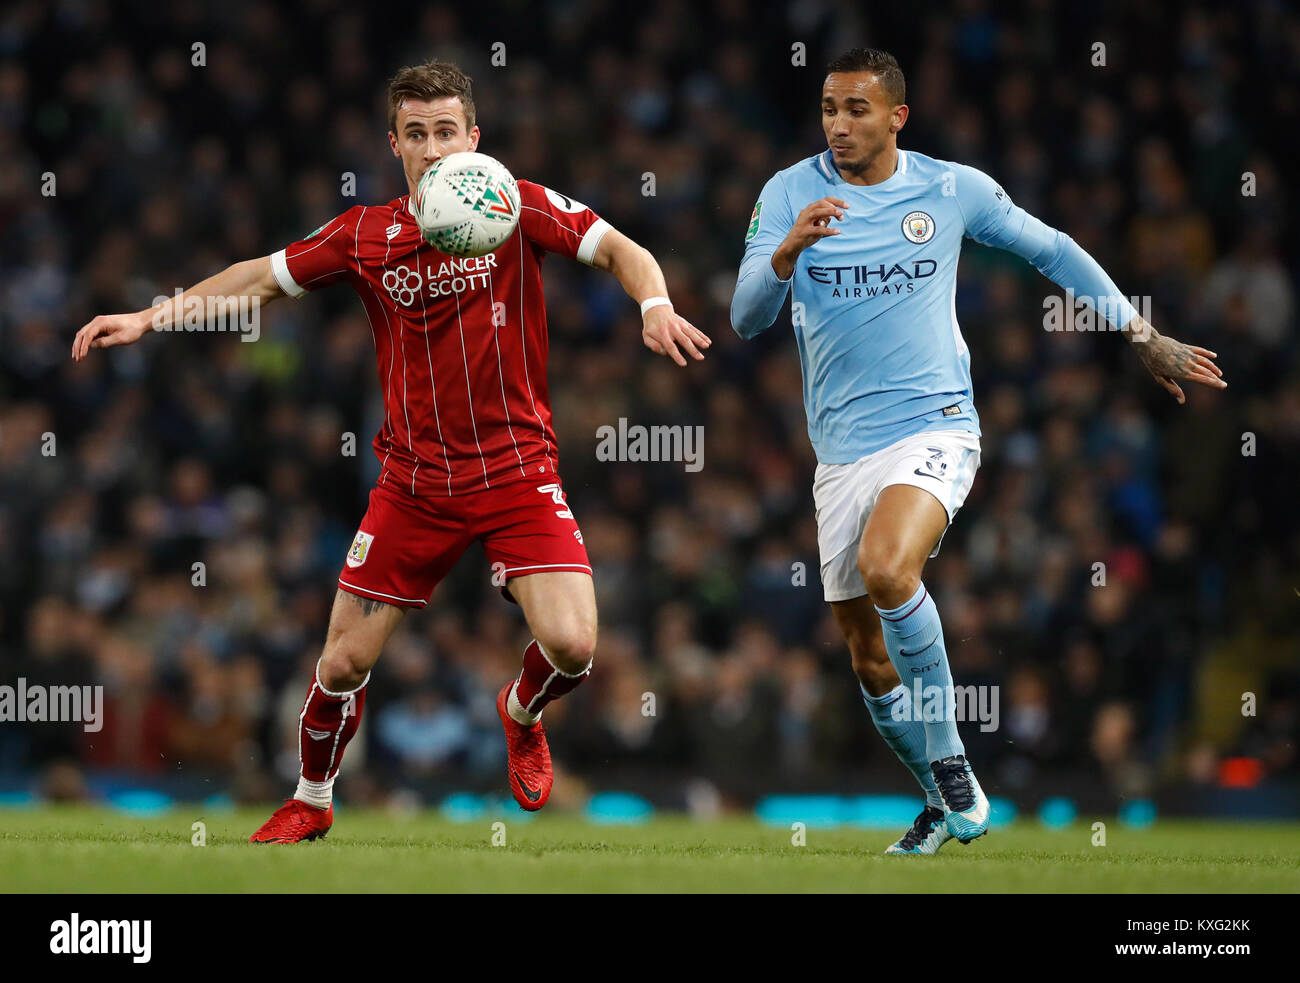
(903,731)
(914,638)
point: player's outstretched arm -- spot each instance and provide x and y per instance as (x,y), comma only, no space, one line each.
(1170,361)
(992,219)
(663,330)
(251,279)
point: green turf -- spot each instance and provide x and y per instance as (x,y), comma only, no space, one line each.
(79,849)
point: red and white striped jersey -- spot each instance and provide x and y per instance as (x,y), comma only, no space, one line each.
(462,343)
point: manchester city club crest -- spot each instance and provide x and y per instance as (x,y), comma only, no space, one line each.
(918,227)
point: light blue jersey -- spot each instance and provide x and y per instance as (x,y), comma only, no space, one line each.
(874,308)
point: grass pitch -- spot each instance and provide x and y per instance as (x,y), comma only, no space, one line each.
(93,850)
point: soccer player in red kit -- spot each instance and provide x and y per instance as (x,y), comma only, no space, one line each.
(466,449)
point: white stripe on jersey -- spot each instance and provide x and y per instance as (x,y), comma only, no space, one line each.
(392,354)
(428,354)
(388,247)
(523,337)
(470,393)
(388,385)
(501,371)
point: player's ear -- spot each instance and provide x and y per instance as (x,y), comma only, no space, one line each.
(392,142)
(900,118)
(473,138)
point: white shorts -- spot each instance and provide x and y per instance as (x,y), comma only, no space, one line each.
(943,462)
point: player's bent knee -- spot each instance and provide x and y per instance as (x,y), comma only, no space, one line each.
(343,667)
(888,579)
(570,651)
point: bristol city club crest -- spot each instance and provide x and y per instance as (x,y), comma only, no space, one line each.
(360,547)
(918,227)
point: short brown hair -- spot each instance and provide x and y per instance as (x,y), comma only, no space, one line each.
(432,80)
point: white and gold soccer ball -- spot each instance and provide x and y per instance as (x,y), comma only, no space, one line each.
(467,204)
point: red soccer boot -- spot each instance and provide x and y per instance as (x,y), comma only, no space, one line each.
(530,758)
(294,822)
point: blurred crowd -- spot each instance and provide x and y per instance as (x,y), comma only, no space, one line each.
(146,147)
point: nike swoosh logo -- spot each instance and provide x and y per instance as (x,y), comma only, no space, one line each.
(317,735)
(904,652)
(529,794)
(927,474)
(979,813)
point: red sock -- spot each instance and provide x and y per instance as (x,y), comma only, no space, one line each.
(327,722)
(540,682)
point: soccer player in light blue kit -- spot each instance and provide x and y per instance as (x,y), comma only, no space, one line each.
(887,390)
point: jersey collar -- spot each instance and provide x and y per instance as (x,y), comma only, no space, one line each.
(827,165)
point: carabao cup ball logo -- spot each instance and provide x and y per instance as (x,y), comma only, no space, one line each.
(401,284)
(467,204)
(918,227)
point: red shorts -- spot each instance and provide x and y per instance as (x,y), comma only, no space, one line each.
(406,545)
